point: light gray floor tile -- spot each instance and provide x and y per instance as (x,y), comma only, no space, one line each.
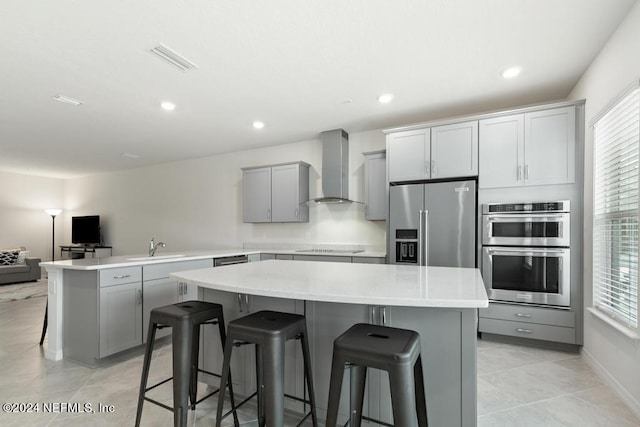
(517,385)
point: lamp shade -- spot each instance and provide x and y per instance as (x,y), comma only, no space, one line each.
(53,212)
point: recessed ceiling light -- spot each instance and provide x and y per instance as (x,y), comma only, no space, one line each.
(168,106)
(511,72)
(385,98)
(258,125)
(67,100)
(130,155)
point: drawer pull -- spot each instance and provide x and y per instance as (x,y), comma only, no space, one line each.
(122,276)
(524,331)
(522,315)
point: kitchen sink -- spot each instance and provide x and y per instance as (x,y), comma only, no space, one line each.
(148,258)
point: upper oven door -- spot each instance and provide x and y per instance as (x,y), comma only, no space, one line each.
(526,229)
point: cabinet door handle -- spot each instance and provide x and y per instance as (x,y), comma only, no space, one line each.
(519,173)
(139,296)
(524,331)
(122,276)
(522,315)
(384,315)
(185,288)
(296,212)
(526,172)
(179,288)
(434,170)
(246,302)
(427,167)
(240,303)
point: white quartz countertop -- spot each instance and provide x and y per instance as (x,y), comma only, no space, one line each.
(380,284)
(142,259)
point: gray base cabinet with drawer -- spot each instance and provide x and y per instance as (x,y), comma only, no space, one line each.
(540,323)
(102,313)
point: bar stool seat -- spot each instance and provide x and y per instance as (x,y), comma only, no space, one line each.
(394,350)
(269,330)
(185,318)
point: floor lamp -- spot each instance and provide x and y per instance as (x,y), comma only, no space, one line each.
(53,213)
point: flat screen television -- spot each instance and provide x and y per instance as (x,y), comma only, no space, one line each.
(85,230)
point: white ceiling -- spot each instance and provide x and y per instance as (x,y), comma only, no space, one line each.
(289,63)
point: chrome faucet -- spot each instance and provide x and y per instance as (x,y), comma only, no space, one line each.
(153,246)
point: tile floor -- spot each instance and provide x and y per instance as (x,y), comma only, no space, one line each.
(517,386)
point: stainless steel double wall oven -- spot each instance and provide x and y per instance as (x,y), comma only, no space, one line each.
(525,252)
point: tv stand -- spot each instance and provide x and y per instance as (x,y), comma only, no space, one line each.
(80,252)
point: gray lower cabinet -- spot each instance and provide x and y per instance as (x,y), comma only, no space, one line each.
(120,318)
(102,312)
(159,289)
(548,324)
(322,258)
(325,258)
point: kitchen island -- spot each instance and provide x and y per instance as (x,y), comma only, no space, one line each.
(439,303)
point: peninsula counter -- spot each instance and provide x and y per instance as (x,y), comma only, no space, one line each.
(439,303)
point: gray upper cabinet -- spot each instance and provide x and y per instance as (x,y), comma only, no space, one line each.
(375,185)
(433,153)
(256,194)
(276,193)
(409,155)
(536,148)
(454,150)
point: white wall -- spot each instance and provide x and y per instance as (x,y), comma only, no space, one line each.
(197,204)
(617,66)
(23,221)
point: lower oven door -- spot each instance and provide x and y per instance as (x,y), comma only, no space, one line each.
(527,275)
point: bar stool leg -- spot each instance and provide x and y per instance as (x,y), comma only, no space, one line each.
(223,341)
(182,344)
(273,365)
(195,350)
(421,399)
(403,397)
(224,380)
(151,336)
(358,376)
(260,386)
(335,386)
(307,373)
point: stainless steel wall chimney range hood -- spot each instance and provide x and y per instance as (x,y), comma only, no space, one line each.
(335,167)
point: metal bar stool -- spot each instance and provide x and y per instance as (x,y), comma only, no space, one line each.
(185,318)
(269,330)
(394,350)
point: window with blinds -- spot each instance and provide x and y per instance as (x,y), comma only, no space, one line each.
(615,216)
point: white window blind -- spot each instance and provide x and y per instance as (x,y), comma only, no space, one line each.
(615,216)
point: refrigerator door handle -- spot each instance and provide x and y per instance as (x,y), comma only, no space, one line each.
(420,240)
(425,238)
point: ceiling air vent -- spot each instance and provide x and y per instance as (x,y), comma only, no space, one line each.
(173,58)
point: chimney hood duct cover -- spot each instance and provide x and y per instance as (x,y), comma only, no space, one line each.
(335,167)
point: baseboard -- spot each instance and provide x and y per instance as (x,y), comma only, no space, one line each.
(610,380)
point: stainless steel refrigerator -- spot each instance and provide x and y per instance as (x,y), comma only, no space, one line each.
(433,224)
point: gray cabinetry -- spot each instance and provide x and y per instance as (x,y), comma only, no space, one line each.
(375,185)
(433,153)
(256,184)
(535,148)
(548,324)
(120,311)
(276,193)
(159,289)
(454,150)
(409,155)
(325,258)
